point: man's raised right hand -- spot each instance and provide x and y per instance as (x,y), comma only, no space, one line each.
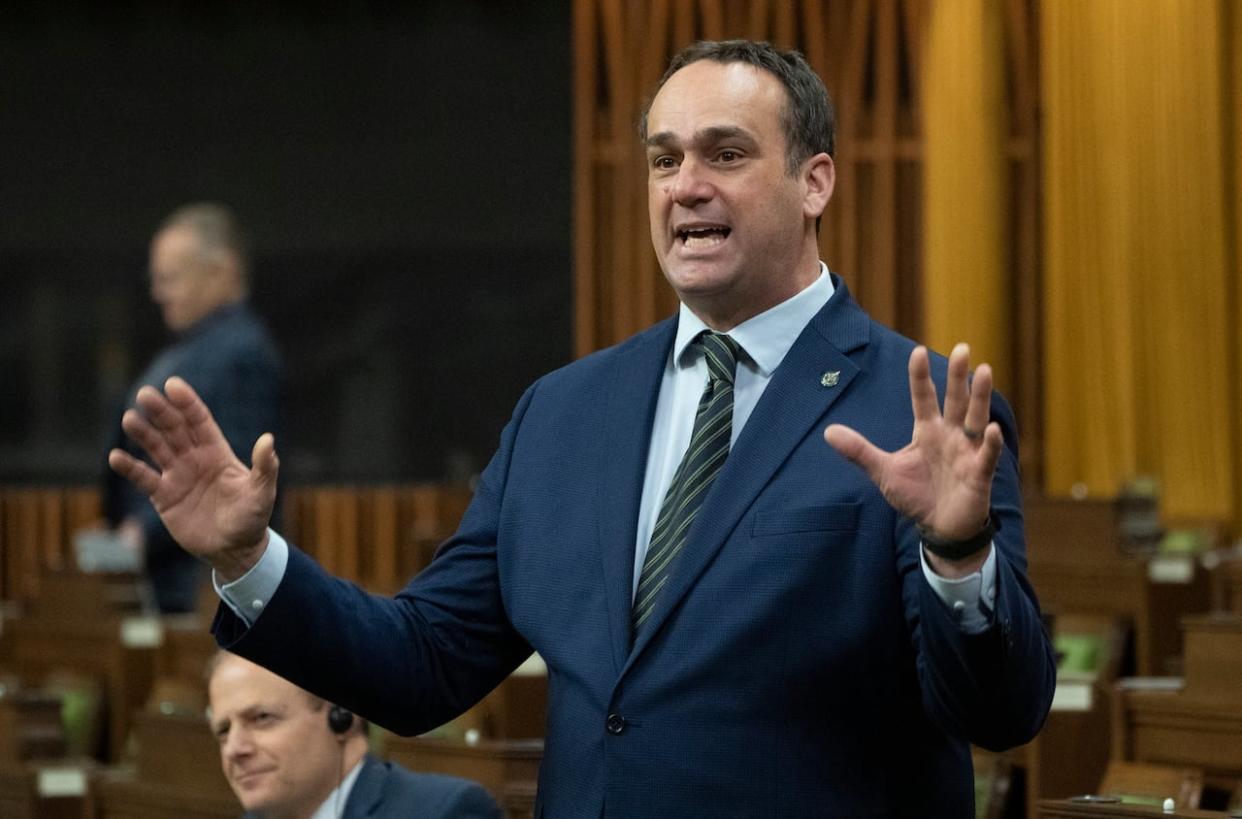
(216,508)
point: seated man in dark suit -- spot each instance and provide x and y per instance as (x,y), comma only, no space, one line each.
(289,754)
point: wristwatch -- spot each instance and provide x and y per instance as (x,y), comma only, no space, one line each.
(959,549)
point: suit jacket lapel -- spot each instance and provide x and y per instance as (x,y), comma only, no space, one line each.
(368,790)
(794,401)
(624,441)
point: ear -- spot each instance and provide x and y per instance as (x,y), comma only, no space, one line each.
(819,176)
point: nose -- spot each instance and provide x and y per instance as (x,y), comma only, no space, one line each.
(236,745)
(692,185)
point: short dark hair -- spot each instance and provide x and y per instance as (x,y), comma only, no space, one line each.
(807,118)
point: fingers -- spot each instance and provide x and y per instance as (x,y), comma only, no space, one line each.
(979,407)
(956,392)
(160,414)
(201,426)
(264,463)
(989,453)
(135,471)
(857,449)
(967,401)
(148,437)
(922,390)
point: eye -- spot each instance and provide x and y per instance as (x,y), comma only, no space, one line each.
(728,155)
(664,162)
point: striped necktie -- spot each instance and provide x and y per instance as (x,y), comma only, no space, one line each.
(709,446)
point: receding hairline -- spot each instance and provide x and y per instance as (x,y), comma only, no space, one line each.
(221,656)
(215,230)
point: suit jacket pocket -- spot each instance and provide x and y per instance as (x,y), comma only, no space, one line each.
(837,517)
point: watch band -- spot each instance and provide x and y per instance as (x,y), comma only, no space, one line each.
(959,549)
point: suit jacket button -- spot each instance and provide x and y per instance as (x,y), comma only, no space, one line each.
(615,724)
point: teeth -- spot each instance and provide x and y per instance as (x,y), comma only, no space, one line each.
(705,239)
(700,235)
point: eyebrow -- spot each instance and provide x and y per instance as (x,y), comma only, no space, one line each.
(707,136)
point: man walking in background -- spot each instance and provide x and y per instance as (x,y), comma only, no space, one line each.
(199,269)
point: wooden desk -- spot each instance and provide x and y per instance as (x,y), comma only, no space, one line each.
(1198,724)
(1078,567)
(37,791)
(174,774)
(1065,809)
(1228,583)
(30,726)
(1070,754)
(498,765)
(179,685)
(112,648)
(122,795)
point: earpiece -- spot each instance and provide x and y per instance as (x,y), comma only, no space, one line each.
(340,720)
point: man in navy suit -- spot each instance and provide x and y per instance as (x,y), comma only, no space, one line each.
(738,619)
(287,754)
(200,280)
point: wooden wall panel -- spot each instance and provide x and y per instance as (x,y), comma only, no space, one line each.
(377,536)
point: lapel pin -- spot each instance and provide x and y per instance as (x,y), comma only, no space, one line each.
(830,378)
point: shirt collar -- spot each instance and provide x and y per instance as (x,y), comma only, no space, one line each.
(336,801)
(767,337)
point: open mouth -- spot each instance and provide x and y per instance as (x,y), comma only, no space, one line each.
(699,237)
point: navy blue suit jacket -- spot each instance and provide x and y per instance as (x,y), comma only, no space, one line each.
(797,663)
(387,791)
(230,360)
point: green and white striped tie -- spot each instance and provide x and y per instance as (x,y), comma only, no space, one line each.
(704,458)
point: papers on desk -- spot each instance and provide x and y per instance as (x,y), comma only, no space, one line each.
(61,781)
(1075,691)
(1171,569)
(1152,683)
(102,550)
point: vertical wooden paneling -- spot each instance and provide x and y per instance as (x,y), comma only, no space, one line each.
(1021,31)
(586,210)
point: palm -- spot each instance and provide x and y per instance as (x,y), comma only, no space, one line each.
(208,505)
(213,505)
(943,478)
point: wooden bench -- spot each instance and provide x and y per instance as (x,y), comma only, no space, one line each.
(174,774)
(1078,566)
(1195,722)
(1070,754)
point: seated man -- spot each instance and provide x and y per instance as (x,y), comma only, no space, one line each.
(289,754)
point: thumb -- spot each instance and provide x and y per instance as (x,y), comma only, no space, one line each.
(265,464)
(856,449)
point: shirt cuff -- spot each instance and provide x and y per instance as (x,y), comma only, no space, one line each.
(972,598)
(249,594)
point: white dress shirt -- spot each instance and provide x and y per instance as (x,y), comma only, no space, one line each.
(334,805)
(765,338)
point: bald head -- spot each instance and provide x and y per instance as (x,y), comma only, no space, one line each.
(198,264)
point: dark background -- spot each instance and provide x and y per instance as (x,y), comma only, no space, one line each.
(403,171)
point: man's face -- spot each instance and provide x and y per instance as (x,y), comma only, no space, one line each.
(277,750)
(184,284)
(728,222)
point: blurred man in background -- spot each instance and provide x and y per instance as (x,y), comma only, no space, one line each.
(200,279)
